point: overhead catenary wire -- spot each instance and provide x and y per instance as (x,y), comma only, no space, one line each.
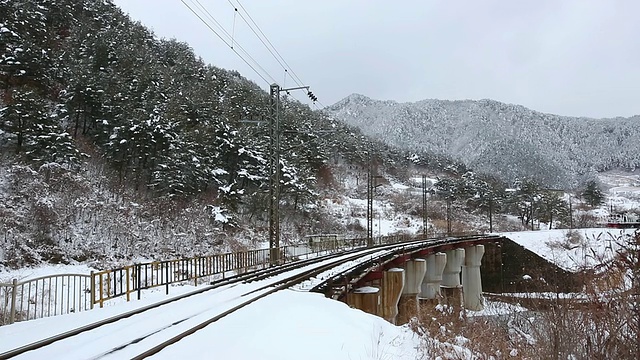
(233,28)
(204,15)
(236,44)
(210,27)
(268,44)
(265,41)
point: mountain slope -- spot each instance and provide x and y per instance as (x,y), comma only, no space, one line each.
(494,137)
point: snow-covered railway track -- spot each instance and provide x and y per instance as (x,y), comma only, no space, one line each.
(146,331)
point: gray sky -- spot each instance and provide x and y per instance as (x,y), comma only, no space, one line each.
(567,57)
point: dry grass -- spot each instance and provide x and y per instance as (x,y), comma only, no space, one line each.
(601,322)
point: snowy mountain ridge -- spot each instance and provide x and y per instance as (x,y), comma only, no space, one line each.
(509,140)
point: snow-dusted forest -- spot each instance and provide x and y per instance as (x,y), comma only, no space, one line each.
(508,140)
(117,147)
(112,140)
(116,144)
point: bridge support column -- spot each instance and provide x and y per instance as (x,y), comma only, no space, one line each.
(408,306)
(392,284)
(430,289)
(451,287)
(365,298)
(471,279)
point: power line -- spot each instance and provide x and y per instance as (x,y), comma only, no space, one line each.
(227,43)
(269,46)
(257,35)
(201,13)
(230,36)
(295,77)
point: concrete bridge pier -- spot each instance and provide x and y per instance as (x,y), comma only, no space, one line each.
(451,286)
(391,285)
(430,289)
(414,274)
(471,279)
(366,298)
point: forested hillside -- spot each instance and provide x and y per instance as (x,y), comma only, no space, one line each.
(507,140)
(113,141)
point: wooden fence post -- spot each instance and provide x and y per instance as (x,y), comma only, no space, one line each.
(14,293)
(167,277)
(101,290)
(127,280)
(139,276)
(93,290)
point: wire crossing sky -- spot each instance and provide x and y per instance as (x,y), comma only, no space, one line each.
(570,57)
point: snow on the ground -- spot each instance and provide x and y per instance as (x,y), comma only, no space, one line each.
(619,178)
(399,186)
(417,181)
(294,325)
(493,308)
(298,325)
(624,190)
(591,248)
(386,220)
(384,227)
(44,270)
(286,325)
(33,330)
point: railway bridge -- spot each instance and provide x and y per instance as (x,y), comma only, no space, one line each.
(390,279)
(393,284)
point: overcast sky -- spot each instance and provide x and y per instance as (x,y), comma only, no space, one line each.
(567,57)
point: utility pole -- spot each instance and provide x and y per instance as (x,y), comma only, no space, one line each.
(425,219)
(570,214)
(370,186)
(448,214)
(532,214)
(490,213)
(274,169)
(636,287)
(274,178)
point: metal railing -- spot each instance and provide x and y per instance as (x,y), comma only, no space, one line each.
(44,296)
(68,293)
(132,279)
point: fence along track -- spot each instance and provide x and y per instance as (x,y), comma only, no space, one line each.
(253,276)
(98,287)
(127,280)
(277,286)
(67,293)
(287,283)
(44,296)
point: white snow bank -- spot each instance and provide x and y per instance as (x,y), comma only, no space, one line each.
(594,246)
(297,325)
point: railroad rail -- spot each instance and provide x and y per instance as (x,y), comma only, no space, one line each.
(138,333)
(338,285)
(265,282)
(69,293)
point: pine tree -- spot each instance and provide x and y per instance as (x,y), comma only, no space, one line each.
(592,194)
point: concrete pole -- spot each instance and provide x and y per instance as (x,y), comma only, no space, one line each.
(391,288)
(365,298)
(471,279)
(430,288)
(414,274)
(451,286)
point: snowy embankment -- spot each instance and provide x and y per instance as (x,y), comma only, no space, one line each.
(293,325)
(285,325)
(586,248)
(298,325)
